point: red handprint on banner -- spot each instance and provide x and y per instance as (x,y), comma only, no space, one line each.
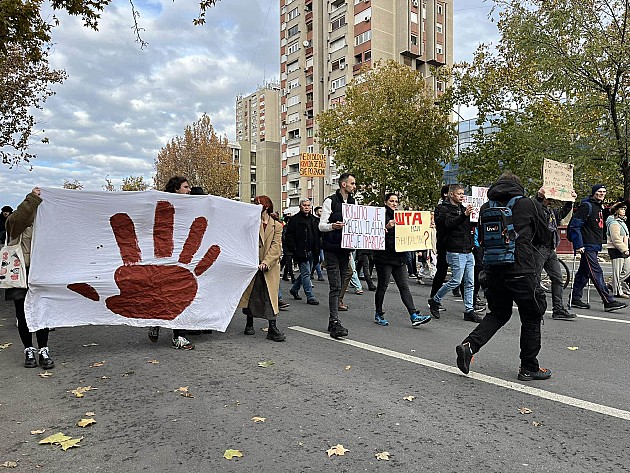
(154,291)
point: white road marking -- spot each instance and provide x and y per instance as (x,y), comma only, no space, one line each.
(594,317)
(569,401)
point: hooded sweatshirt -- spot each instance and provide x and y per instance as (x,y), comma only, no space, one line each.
(530,224)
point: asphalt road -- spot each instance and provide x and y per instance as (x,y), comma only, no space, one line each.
(320,392)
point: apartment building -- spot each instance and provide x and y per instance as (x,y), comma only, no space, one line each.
(257,147)
(324,44)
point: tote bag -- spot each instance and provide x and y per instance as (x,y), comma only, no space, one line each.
(12,269)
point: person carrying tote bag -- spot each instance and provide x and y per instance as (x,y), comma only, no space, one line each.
(19,226)
(617,245)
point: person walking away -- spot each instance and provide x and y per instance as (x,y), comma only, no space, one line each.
(175,185)
(458,239)
(390,263)
(19,228)
(546,256)
(514,282)
(302,240)
(617,246)
(6,211)
(260,299)
(585,233)
(336,257)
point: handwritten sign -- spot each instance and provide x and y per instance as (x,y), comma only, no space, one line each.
(477,199)
(364,227)
(413,230)
(312,165)
(558,180)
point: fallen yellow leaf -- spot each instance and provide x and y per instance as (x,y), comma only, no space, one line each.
(338,450)
(154,362)
(572,348)
(265,364)
(86,422)
(525,410)
(97,364)
(382,456)
(229,454)
(70,443)
(183,389)
(80,390)
(347,368)
(409,398)
(537,424)
(55,438)
(45,374)
(259,419)
(90,414)
(5,345)
(37,432)
(9,464)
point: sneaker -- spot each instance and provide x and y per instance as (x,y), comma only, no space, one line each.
(283,305)
(563,314)
(180,343)
(464,357)
(342,307)
(312,301)
(372,288)
(295,295)
(44,359)
(337,330)
(420,281)
(320,278)
(359,292)
(472,317)
(525,375)
(154,334)
(479,307)
(418,319)
(380,320)
(434,308)
(577,303)
(614,305)
(456,293)
(30,361)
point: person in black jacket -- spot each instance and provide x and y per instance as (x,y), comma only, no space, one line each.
(302,240)
(458,240)
(517,283)
(6,211)
(390,263)
(441,265)
(546,256)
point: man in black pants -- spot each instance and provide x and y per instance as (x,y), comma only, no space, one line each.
(512,283)
(336,257)
(441,266)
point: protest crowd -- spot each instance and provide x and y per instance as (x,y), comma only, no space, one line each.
(496,253)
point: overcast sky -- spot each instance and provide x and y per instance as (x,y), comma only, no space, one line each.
(121,104)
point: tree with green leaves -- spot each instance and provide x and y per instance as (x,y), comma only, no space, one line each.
(129,183)
(202,157)
(390,134)
(556,87)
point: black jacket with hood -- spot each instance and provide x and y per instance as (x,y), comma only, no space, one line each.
(454,228)
(530,224)
(389,255)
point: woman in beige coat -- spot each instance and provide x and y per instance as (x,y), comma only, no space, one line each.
(617,245)
(261,296)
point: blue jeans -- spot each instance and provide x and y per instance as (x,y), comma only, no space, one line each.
(463,268)
(305,277)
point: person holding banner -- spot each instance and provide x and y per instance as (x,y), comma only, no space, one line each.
(19,228)
(390,263)
(336,257)
(260,299)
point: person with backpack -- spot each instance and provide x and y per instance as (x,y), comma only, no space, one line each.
(510,273)
(547,257)
(458,239)
(337,258)
(617,245)
(585,232)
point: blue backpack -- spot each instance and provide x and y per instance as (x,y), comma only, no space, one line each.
(496,233)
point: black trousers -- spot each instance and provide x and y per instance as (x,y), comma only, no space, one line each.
(529,297)
(25,335)
(441,267)
(384,271)
(336,269)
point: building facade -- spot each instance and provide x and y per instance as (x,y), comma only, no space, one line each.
(257,147)
(324,44)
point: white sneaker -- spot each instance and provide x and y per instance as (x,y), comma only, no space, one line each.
(181,343)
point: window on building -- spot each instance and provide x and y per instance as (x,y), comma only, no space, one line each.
(338,63)
(309,62)
(439,86)
(310,149)
(293,66)
(293,14)
(294,100)
(367,55)
(294,117)
(338,23)
(438,48)
(338,83)
(438,27)
(363,37)
(293,47)
(293,31)
(294,83)
(365,15)
(336,4)
(337,44)
(309,132)
(407,61)
(414,40)
(309,26)
(309,79)
(294,134)
(439,9)
(414,17)
(294,151)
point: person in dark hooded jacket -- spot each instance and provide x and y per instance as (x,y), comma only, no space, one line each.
(390,263)
(514,283)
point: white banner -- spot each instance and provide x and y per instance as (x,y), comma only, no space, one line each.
(364,227)
(140,259)
(477,199)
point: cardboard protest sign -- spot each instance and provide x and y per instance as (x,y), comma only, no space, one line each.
(413,230)
(312,165)
(364,227)
(558,180)
(140,258)
(477,199)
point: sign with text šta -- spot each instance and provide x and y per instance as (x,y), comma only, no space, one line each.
(364,227)
(558,180)
(312,165)
(413,230)
(477,199)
